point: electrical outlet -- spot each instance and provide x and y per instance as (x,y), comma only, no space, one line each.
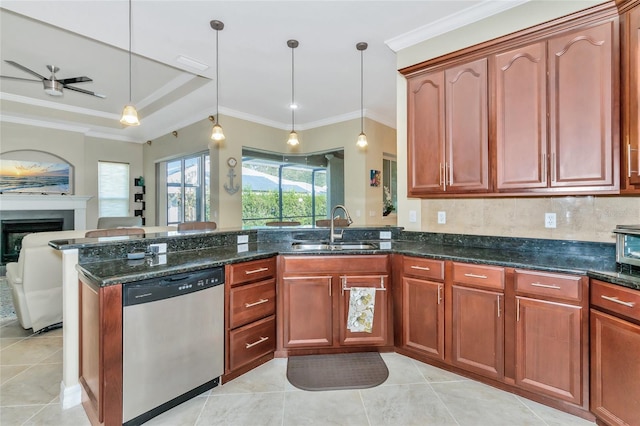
(159,248)
(413,216)
(549,220)
(243,239)
(385,235)
(442,218)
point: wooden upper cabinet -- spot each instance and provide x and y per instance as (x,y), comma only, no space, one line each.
(448,143)
(521,117)
(631,98)
(466,118)
(582,83)
(426,133)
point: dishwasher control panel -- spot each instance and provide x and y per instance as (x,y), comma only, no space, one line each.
(170,286)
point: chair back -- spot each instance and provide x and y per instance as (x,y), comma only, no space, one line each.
(113,232)
(197,226)
(118,221)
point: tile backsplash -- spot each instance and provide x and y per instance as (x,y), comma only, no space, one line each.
(581,218)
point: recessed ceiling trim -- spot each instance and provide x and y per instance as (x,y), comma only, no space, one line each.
(172,85)
(192,63)
(57,105)
(452,22)
(9,118)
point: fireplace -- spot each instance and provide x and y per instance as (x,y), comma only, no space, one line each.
(14,230)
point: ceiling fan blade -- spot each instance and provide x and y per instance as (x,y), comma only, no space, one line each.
(25,69)
(77,89)
(19,78)
(75,80)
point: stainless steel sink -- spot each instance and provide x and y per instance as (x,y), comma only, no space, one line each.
(342,245)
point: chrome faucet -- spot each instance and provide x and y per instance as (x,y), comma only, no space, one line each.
(333,218)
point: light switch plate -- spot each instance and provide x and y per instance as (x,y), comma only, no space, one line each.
(243,239)
(413,216)
(385,235)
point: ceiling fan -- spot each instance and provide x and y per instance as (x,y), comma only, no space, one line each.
(52,85)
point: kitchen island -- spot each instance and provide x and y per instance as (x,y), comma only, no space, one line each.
(221,248)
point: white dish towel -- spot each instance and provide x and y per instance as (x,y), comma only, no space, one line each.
(362,302)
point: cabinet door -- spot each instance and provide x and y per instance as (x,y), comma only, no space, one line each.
(615,371)
(582,78)
(521,117)
(549,348)
(348,296)
(425,149)
(632,102)
(467,141)
(478,331)
(307,311)
(423,316)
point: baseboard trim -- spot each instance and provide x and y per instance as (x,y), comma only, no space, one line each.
(70,396)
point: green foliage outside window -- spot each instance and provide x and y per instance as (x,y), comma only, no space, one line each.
(258,208)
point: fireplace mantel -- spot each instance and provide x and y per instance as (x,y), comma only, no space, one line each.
(77,203)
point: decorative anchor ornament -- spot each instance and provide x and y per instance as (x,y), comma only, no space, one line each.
(231,189)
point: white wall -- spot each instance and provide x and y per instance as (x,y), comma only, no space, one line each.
(80,151)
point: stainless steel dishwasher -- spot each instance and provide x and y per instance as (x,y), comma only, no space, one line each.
(173,341)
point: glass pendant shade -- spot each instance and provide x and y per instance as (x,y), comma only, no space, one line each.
(217,134)
(130,116)
(293,138)
(362,140)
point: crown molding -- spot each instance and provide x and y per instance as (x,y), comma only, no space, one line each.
(452,22)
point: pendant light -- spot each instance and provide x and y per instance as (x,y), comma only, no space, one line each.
(217,134)
(293,136)
(129,113)
(362,138)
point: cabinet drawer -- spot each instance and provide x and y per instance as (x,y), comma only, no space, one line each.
(424,268)
(615,298)
(547,284)
(251,302)
(338,264)
(251,271)
(479,275)
(251,342)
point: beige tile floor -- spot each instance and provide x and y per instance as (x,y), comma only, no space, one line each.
(414,394)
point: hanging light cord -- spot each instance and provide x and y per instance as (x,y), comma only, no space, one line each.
(293,108)
(217,79)
(361,91)
(129,51)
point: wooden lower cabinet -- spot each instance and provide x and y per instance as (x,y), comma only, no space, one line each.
(313,306)
(423,316)
(100,332)
(308,316)
(250,324)
(615,349)
(549,348)
(478,331)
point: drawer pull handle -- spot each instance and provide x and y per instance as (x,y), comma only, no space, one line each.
(259,302)
(555,287)
(421,268)
(255,271)
(620,302)
(484,277)
(262,339)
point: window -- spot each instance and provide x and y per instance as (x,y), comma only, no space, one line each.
(188,189)
(288,188)
(113,189)
(390,181)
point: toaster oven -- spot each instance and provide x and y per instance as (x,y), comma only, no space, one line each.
(628,244)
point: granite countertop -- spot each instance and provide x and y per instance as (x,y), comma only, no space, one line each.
(111,272)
